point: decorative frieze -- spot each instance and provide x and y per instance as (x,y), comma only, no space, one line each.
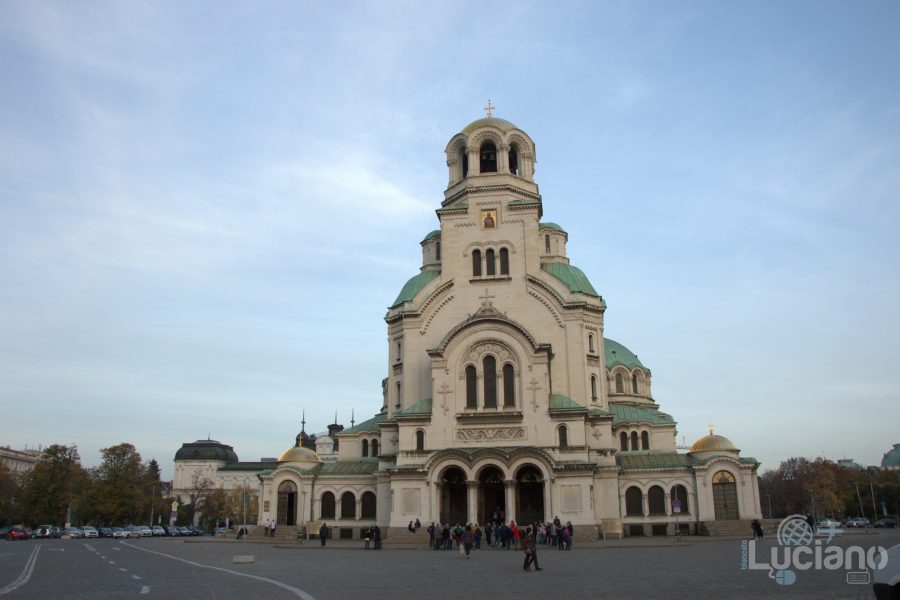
(489,434)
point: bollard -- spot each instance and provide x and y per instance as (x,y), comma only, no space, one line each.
(243,559)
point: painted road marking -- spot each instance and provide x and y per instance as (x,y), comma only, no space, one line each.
(138,577)
(123,569)
(296,591)
(111,562)
(145,589)
(26,573)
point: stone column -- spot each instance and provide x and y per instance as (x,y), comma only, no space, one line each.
(437,492)
(472,501)
(358,514)
(503,158)
(474,162)
(548,503)
(510,489)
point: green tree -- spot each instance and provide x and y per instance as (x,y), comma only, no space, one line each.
(121,480)
(156,506)
(9,491)
(48,490)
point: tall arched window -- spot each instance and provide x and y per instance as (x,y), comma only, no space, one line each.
(488,158)
(594,388)
(489,258)
(634,440)
(509,385)
(326,510)
(623,441)
(546,244)
(465,162)
(591,343)
(620,385)
(656,500)
(365,447)
(634,502)
(437,251)
(476,263)
(369,505)
(374,447)
(634,386)
(563,436)
(490,382)
(645,440)
(348,505)
(513,160)
(420,440)
(504,261)
(471,387)
(397,402)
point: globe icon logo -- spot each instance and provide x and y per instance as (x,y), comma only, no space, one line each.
(795,531)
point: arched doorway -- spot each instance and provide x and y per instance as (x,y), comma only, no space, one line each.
(287,503)
(491,494)
(453,497)
(529,496)
(725,496)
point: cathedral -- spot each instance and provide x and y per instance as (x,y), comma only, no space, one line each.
(501,392)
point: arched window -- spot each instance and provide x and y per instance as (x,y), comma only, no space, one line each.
(490,382)
(594,388)
(504,261)
(465,162)
(476,263)
(437,251)
(420,440)
(489,258)
(679,492)
(656,500)
(365,447)
(488,158)
(348,505)
(620,385)
(374,447)
(623,441)
(471,387)
(326,511)
(634,440)
(563,437)
(369,505)
(634,502)
(546,244)
(513,160)
(398,394)
(509,385)
(591,343)
(634,387)
(645,440)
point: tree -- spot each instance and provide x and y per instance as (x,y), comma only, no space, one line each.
(9,490)
(156,505)
(200,488)
(235,511)
(121,485)
(48,490)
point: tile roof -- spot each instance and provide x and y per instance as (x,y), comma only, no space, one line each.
(573,277)
(370,426)
(626,413)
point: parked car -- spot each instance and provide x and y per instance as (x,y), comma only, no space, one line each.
(55,532)
(197,531)
(886,581)
(145,531)
(119,533)
(105,532)
(4,531)
(859,522)
(90,532)
(172,531)
(886,523)
(42,531)
(184,531)
(133,532)
(18,533)
(158,530)
(219,531)
(73,532)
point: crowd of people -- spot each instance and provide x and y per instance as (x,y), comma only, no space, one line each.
(500,534)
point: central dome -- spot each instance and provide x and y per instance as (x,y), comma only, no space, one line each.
(501,124)
(298,455)
(713,442)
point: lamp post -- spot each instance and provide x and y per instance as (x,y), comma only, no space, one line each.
(769,498)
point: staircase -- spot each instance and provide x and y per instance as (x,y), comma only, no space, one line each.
(734,528)
(400,536)
(283,534)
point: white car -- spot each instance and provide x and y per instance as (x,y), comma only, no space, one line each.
(145,531)
(886,581)
(118,532)
(89,532)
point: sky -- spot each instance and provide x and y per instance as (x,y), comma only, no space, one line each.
(206,207)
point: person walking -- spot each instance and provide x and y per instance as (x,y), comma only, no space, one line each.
(272,532)
(376,537)
(530,549)
(467,540)
(323,534)
(367,535)
(266,527)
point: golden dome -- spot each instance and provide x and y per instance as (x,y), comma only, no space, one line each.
(713,442)
(299,455)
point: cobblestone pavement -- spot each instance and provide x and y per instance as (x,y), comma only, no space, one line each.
(641,568)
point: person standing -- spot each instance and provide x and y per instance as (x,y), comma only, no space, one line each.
(467,539)
(530,549)
(430,531)
(323,533)
(273,529)
(266,527)
(376,537)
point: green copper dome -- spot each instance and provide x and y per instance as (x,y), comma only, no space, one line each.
(433,234)
(415,285)
(552,226)
(892,458)
(617,354)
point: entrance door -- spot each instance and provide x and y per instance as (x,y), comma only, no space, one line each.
(453,497)
(529,496)
(287,504)
(491,494)
(725,496)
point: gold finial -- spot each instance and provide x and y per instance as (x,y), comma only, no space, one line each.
(490,109)
(710,428)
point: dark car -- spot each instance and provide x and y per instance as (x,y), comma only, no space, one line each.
(184,531)
(196,531)
(886,523)
(105,532)
(18,533)
(172,531)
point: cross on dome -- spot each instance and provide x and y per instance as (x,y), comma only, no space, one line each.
(490,109)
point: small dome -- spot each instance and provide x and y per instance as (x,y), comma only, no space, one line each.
(713,442)
(501,124)
(206,450)
(297,455)
(617,354)
(891,460)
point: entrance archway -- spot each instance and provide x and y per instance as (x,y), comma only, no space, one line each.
(529,496)
(491,494)
(287,504)
(725,499)
(453,497)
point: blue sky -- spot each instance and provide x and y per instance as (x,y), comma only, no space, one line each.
(205,208)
